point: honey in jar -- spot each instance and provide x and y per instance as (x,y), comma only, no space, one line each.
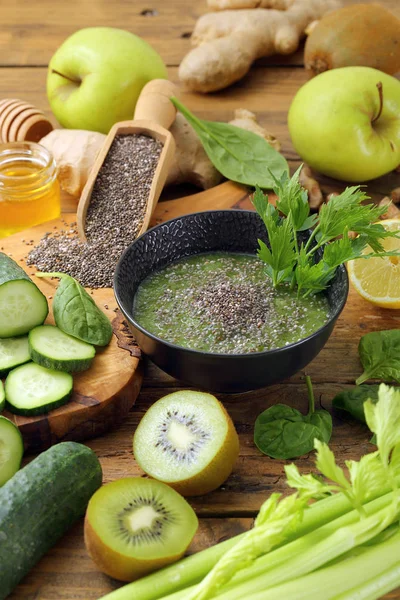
(29,190)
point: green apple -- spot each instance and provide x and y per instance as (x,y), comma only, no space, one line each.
(95,77)
(345,123)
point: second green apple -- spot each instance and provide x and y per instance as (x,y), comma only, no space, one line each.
(345,123)
(95,77)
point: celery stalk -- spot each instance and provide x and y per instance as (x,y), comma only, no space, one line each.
(192,569)
(375,588)
(364,577)
(280,562)
(317,555)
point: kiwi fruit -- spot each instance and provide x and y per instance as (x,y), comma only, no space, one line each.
(187,440)
(134,526)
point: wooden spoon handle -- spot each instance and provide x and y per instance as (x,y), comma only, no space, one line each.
(154,105)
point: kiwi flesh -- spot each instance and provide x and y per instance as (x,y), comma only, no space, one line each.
(187,440)
(134,526)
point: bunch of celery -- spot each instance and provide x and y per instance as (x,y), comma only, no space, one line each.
(345,545)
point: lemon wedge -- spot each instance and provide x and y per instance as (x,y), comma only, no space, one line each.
(378,279)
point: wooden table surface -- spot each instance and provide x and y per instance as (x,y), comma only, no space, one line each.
(30,33)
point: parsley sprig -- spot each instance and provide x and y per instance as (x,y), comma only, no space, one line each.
(290,260)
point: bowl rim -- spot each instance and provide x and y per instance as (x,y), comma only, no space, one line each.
(332,319)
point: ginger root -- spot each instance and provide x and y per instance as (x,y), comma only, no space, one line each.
(392,212)
(191,163)
(235,4)
(245,119)
(315,197)
(229,42)
(74,151)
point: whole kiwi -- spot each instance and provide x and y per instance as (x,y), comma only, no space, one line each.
(359,35)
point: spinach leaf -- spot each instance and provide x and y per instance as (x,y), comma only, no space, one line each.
(76,313)
(238,154)
(283,432)
(352,401)
(380,355)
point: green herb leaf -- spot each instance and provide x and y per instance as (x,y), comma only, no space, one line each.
(345,212)
(326,464)
(265,210)
(308,486)
(280,256)
(283,432)
(352,401)
(340,215)
(367,477)
(76,313)
(380,355)
(311,277)
(292,199)
(383,419)
(239,155)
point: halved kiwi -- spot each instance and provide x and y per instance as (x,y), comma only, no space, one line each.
(134,526)
(187,440)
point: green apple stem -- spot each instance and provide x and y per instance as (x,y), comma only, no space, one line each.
(380,92)
(77,81)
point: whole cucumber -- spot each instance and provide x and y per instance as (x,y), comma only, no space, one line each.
(40,503)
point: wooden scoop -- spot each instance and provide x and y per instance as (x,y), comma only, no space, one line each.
(154,114)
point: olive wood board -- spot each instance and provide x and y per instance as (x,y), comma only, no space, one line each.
(102,395)
(105,393)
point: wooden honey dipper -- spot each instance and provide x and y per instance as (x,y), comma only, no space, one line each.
(20,121)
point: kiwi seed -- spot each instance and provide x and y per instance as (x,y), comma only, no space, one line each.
(187,453)
(144,534)
(187,440)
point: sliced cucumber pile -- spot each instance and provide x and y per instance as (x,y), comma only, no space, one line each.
(13,352)
(54,349)
(11,449)
(22,304)
(2,397)
(34,390)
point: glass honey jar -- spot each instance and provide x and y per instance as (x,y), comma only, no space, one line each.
(29,189)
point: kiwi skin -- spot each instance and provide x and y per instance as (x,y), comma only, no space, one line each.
(125,567)
(216,472)
(117,565)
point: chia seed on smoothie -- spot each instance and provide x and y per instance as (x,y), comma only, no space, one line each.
(225,303)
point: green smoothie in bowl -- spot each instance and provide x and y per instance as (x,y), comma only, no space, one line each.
(225,303)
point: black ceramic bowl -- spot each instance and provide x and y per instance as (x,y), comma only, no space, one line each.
(232,231)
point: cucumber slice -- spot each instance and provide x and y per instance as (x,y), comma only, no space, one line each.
(11,449)
(52,348)
(35,390)
(2,397)
(22,304)
(13,352)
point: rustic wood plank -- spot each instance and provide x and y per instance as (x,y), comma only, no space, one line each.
(32,31)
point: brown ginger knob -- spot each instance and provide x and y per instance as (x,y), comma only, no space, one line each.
(20,121)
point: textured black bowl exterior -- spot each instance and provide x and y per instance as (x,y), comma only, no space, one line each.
(232,231)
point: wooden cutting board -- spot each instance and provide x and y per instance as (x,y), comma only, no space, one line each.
(105,393)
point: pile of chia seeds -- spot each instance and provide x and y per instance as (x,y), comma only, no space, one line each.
(225,304)
(114,218)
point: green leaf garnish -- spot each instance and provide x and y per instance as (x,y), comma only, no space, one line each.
(301,263)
